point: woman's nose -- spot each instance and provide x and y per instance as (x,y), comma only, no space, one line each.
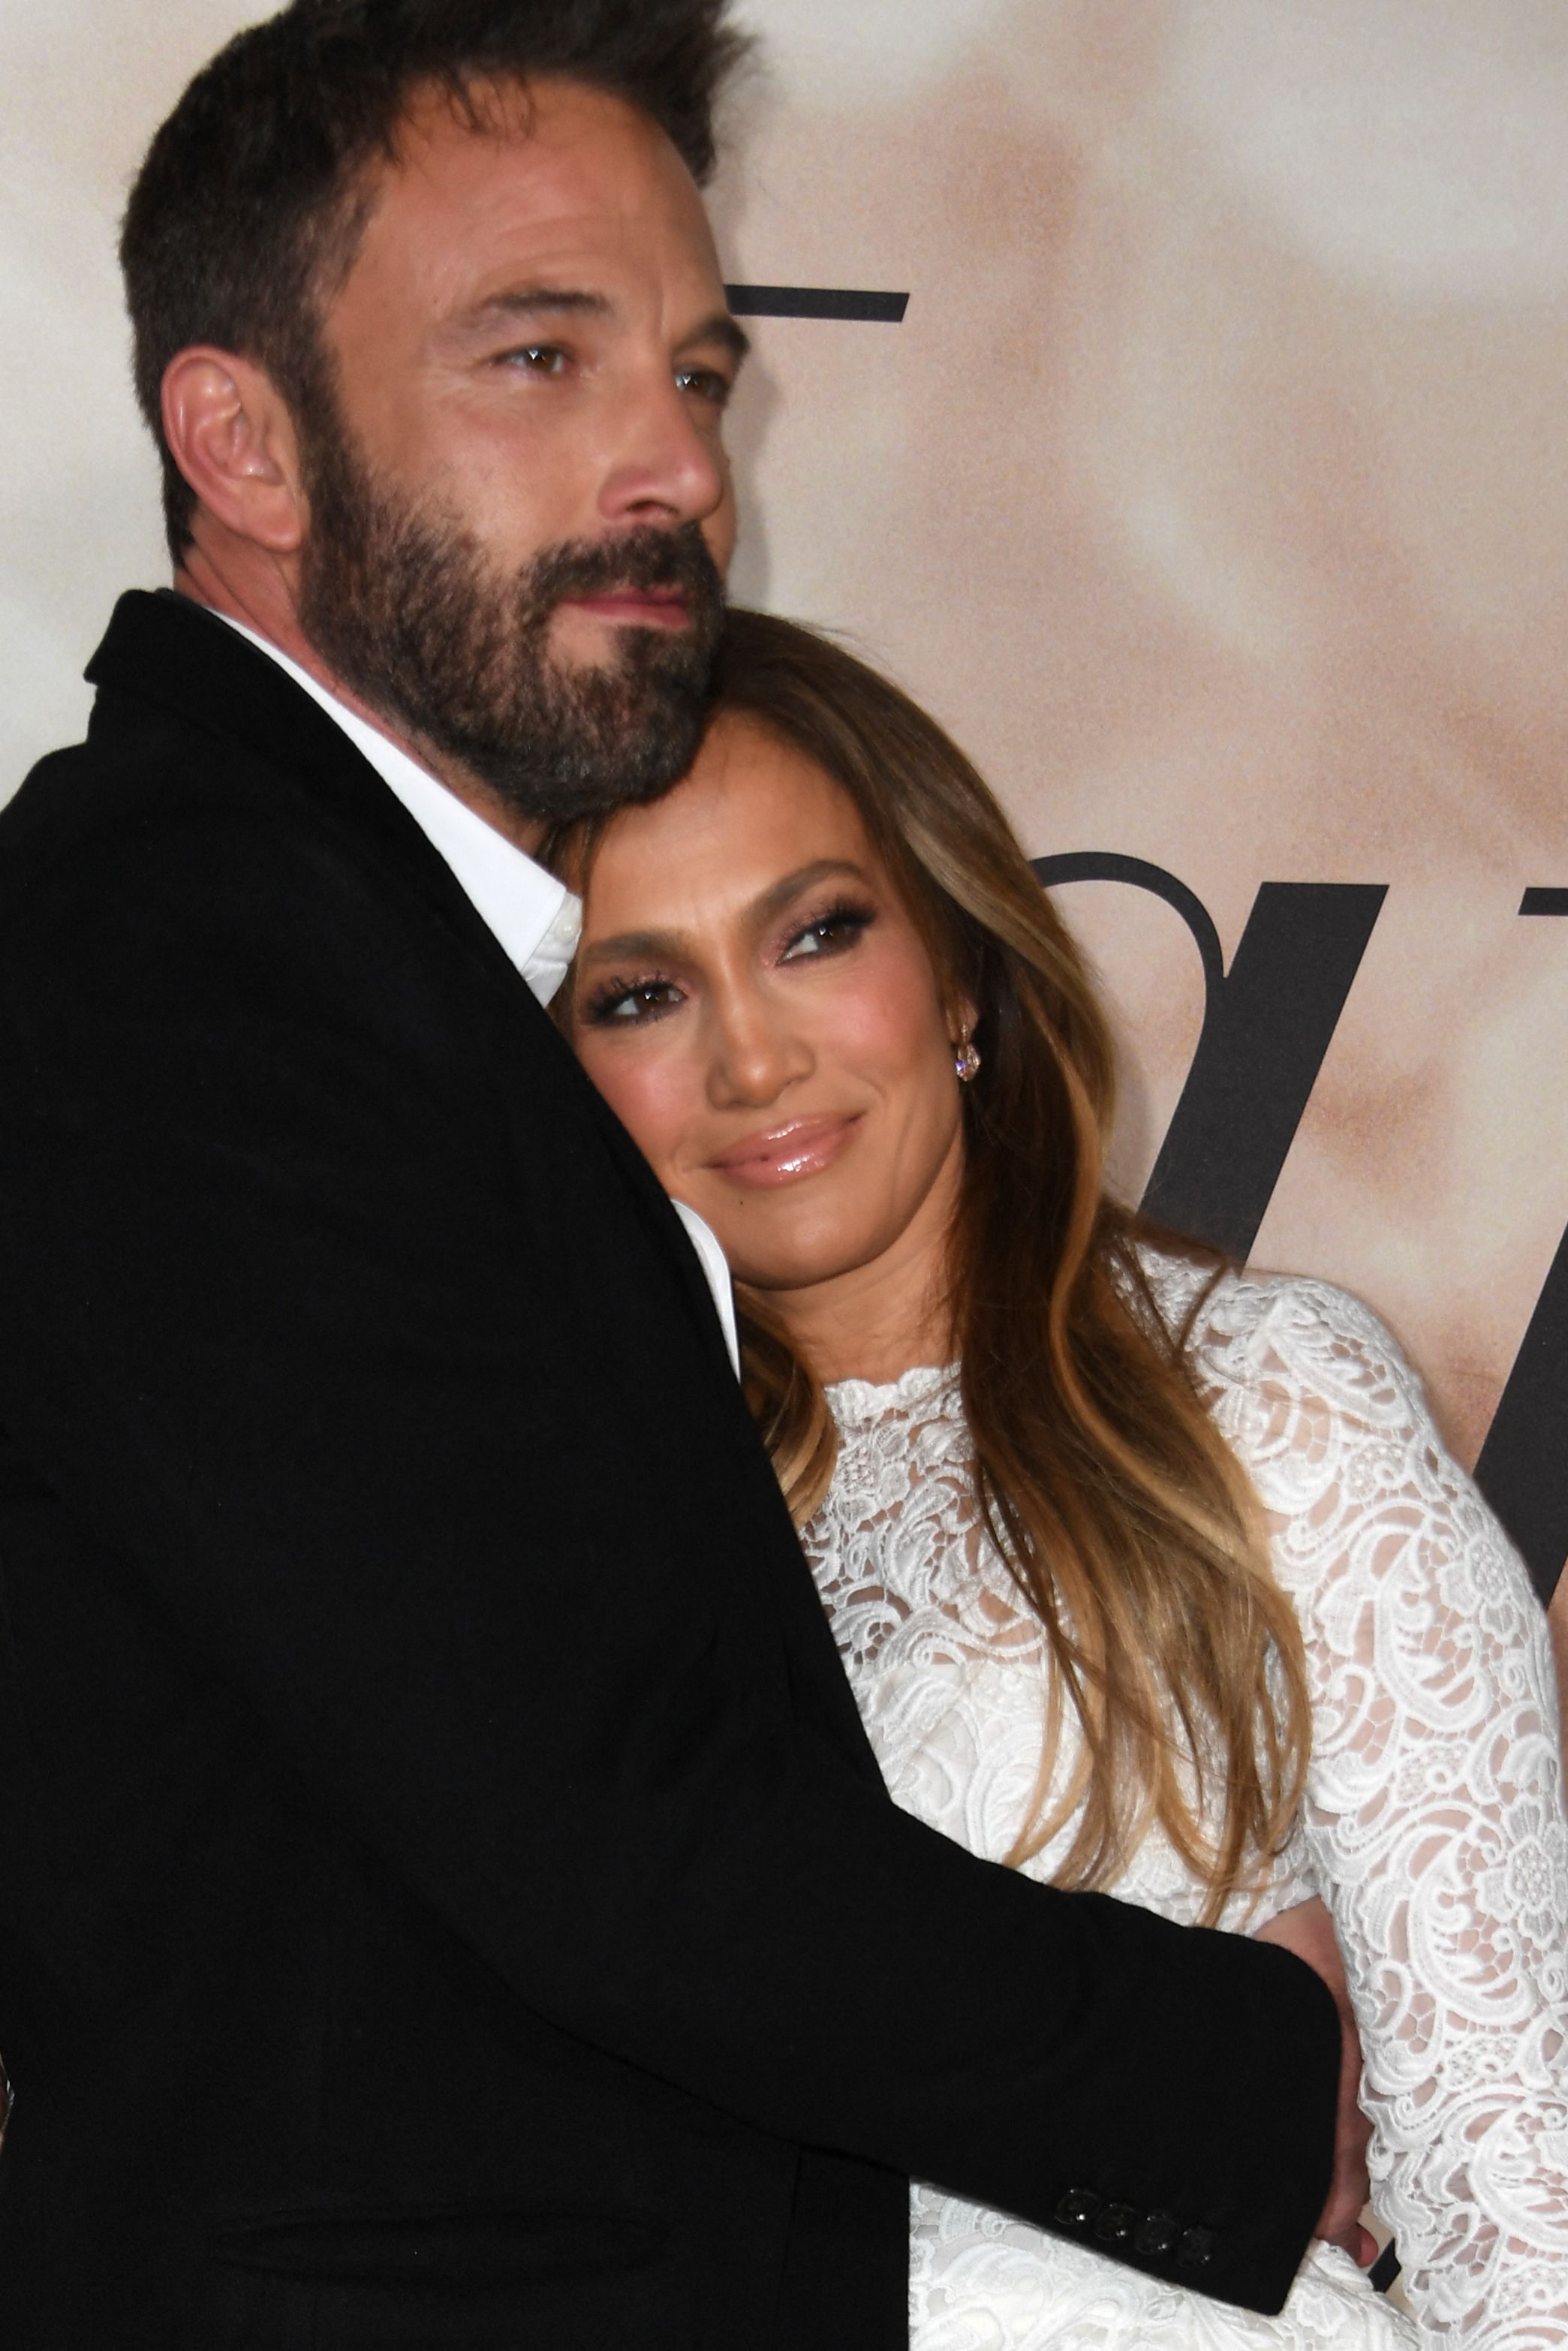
(757,1055)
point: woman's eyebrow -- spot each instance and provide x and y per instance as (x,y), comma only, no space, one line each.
(649,946)
(773,900)
(636,947)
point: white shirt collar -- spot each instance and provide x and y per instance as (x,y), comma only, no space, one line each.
(535,917)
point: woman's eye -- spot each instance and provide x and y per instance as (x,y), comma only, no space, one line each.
(645,1000)
(840,927)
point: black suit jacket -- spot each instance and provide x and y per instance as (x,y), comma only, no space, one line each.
(447,1898)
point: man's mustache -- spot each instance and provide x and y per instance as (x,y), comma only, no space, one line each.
(644,558)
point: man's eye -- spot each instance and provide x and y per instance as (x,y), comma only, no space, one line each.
(620,1006)
(538,359)
(705,383)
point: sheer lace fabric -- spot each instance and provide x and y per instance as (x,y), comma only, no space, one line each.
(1434,1825)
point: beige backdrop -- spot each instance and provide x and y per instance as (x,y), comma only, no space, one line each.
(1213,491)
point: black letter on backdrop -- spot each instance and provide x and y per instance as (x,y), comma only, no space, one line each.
(1266,1028)
(1523,1465)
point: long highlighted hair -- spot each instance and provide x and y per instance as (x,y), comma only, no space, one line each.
(1126,1523)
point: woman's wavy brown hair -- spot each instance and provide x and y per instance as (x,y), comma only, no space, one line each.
(1125,1520)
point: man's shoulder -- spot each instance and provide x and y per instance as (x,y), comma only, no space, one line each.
(201,757)
(232,847)
(133,754)
(173,694)
(146,808)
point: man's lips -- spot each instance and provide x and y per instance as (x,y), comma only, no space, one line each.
(782,1155)
(638,607)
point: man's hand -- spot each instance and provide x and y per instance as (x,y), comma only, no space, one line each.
(1308,1930)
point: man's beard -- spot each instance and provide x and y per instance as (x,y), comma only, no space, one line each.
(404,606)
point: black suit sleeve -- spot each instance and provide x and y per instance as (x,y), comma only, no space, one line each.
(336,1368)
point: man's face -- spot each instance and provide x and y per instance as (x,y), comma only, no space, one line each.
(521,508)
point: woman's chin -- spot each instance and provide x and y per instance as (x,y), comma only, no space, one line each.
(785,1280)
(791,1267)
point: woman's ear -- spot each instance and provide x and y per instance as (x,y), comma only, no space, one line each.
(230,433)
(963,1019)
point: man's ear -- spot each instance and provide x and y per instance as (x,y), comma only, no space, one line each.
(230,433)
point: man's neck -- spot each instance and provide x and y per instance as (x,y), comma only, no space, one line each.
(267,606)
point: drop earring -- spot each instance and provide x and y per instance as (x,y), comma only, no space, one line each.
(965,1060)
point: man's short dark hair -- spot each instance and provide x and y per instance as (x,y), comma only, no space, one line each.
(248,209)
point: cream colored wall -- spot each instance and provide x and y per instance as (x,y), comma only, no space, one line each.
(1213,490)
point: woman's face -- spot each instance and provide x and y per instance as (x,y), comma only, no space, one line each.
(756,1003)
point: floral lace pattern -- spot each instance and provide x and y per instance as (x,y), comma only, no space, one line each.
(1434,1828)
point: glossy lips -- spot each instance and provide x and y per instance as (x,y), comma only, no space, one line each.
(783,1155)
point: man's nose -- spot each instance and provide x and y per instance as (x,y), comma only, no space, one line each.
(665,466)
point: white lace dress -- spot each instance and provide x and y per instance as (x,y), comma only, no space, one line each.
(1434,1827)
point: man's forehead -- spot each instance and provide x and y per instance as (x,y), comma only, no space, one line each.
(554,168)
(580,146)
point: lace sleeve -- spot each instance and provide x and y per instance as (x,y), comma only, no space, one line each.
(1435,1801)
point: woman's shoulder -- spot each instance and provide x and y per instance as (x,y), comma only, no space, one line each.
(1251,1330)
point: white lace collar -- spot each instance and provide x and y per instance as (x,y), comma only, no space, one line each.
(853,1402)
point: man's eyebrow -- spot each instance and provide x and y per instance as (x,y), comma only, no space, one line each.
(721,329)
(650,947)
(577,302)
(539,302)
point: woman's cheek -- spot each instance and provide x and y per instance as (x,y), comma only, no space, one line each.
(649,1092)
(886,1019)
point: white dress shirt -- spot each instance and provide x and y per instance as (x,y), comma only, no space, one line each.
(534,916)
